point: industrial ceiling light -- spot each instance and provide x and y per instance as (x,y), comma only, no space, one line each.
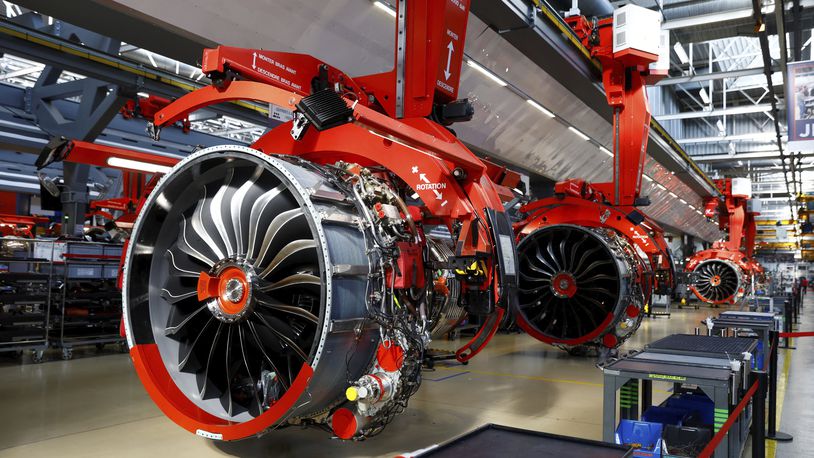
(579,133)
(721,128)
(605,150)
(682,55)
(385,8)
(19,184)
(541,108)
(136,165)
(486,72)
(647,177)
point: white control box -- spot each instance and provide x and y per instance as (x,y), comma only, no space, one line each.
(742,187)
(754,205)
(638,29)
(662,66)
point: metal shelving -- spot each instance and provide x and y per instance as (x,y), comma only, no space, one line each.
(88,310)
(26,282)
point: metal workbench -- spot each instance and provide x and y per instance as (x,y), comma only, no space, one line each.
(704,362)
(762,324)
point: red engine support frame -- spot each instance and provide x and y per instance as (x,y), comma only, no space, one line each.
(389,125)
(611,204)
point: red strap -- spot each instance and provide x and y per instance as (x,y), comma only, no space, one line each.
(797,334)
(719,436)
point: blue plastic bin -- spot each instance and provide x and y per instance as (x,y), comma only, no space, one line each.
(644,437)
(665,415)
(701,406)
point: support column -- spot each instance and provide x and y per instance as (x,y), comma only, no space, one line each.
(74,197)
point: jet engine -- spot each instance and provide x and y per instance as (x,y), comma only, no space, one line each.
(293,282)
(249,275)
(719,276)
(579,286)
(445,308)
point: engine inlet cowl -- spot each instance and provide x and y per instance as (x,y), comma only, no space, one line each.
(230,298)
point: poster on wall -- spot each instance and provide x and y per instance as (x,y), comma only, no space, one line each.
(800,109)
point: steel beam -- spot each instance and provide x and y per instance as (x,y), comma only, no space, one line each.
(706,19)
(131,26)
(763,108)
(758,155)
(710,76)
(131,77)
(752,138)
(722,16)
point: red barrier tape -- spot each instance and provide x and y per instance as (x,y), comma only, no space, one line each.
(719,436)
(797,334)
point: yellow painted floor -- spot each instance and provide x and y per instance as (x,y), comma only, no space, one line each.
(94,405)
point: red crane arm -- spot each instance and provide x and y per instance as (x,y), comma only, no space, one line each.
(623,77)
(429,52)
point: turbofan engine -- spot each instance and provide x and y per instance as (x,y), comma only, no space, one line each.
(263,291)
(719,277)
(579,287)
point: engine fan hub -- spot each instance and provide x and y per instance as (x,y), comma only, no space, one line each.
(715,280)
(228,290)
(564,285)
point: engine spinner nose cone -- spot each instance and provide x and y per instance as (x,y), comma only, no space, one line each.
(564,285)
(232,300)
(234,291)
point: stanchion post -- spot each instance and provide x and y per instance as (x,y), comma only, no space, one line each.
(773,383)
(759,416)
(787,322)
(773,433)
(797,302)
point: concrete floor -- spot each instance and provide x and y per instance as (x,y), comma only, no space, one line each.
(797,416)
(94,405)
